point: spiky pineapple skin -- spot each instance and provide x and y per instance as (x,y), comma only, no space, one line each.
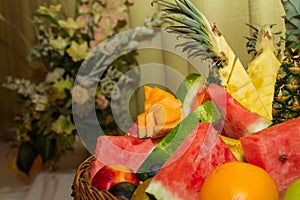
(286,103)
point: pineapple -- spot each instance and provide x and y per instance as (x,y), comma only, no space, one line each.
(263,68)
(205,40)
(286,104)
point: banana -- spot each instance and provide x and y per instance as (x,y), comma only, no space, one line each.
(235,147)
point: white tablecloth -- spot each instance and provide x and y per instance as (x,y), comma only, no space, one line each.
(46,186)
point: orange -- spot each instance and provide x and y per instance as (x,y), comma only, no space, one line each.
(239,181)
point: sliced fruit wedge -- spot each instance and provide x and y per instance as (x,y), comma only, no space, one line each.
(182,176)
(187,91)
(162,112)
(207,112)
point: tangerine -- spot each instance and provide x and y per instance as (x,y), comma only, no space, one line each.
(239,181)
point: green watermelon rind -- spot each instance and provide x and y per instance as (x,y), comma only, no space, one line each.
(159,189)
(207,112)
(188,89)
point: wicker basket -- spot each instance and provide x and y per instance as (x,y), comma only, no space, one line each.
(82,188)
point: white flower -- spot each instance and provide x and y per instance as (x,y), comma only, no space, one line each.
(115,95)
(125,79)
(113,73)
(40,106)
(84,80)
(40,101)
(107,86)
(79,94)
(25,88)
(55,75)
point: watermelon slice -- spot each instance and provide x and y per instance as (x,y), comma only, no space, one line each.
(207,112)
(238,120)
(134,130)
(126,150)
(276,149)
(187,91)
(182,176)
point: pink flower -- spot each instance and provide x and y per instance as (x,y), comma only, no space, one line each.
(83,9)
(84,19)
(101,101)
(100,34)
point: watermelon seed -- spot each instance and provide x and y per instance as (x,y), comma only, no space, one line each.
(282,158)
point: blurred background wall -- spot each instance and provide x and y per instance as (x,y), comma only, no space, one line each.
(17,36)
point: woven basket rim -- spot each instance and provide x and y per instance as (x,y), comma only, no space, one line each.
(82,187)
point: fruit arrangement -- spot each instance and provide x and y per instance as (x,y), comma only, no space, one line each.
(232,135)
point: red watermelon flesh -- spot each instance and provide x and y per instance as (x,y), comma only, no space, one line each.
(239,121)
(277,150)
(114,145)
(182,176)
(126,150)
(133,131)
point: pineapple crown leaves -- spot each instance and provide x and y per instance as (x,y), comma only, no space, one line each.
(292,23)
(201,35)
(261,38)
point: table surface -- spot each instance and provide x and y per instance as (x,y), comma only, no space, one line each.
(44,185)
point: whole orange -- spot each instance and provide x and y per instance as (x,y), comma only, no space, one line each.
(239,181)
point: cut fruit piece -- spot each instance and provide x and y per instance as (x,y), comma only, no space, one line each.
(263,71)
(182,176)
(263,68)
(110,175)
(239,121)
(139,193)
(207,112)
(235,147)
(124,150)
(203,39)
(162,113)
(187,91)
(276,149)
(133,131)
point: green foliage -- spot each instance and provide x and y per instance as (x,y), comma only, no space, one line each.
(292,23)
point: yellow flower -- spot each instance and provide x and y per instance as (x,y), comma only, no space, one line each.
(78,51)
(52,10)
(71,25)
(60,87)
(59,43)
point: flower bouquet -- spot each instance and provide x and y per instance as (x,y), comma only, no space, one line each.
(46,126)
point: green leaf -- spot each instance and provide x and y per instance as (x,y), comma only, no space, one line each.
(54,22)
(45,147)
(26,157)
